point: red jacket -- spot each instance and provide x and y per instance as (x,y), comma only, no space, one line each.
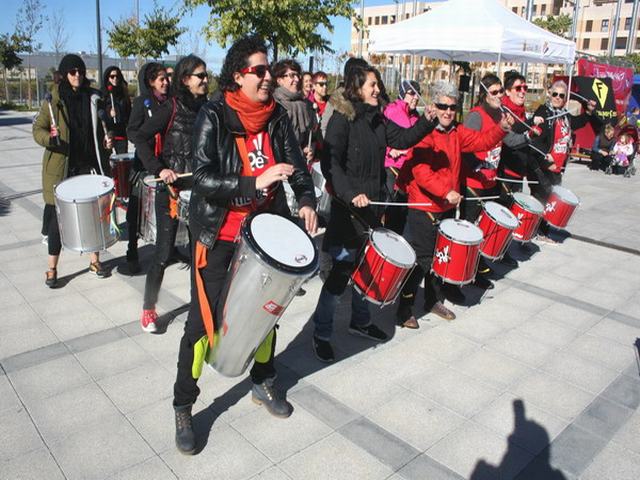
(436,166)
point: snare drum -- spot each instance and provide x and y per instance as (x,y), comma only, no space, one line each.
(528,211)
(497,224)
(457,251)
(183,206)
(274,257)
(83,205)
(560,206)
(147,224)
(386,263)
(121,164)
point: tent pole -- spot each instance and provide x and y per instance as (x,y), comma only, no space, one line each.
(499,64)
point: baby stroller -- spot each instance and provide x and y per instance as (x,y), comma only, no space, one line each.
(629,168)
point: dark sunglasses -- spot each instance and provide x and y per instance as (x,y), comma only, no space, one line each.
(201,75)
(446,106)
(521,88)
(558,94)
(410,92)
(258,70)
(322,84)
(115,75)
(500,91)
(76,71)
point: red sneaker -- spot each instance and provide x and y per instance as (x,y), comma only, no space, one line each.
(148,320)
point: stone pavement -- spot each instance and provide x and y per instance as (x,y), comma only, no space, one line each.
(538,379)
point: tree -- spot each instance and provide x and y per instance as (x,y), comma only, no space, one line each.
(288,25)
(28,24)
(58,33)
(559,24)
(151,39)
(10,45)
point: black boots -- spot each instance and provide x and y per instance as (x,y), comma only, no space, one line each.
(185,439)
(264,394)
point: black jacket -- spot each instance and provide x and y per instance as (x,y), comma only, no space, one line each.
(353,162)
(121,104)
(217,166)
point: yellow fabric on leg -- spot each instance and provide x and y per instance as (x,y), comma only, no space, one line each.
(263,354)
(200,354)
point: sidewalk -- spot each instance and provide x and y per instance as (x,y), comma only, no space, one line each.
(537,379)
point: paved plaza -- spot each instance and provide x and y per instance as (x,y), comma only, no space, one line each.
(537,379)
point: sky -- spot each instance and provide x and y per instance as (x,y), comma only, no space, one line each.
(80,23)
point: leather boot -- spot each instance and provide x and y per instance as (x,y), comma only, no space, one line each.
(264,394)
(185,438)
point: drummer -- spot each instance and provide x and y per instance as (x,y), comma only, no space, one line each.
(117,105)
(173,120)
(244,148)
(433,176)
(68,139)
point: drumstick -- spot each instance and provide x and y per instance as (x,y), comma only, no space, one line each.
(401,204)
(419,96)
(530,182)
(557,115)
(180,175)
(48,97)
(506,109)
(479,199)
(580,96)
(458,211)
(537,149)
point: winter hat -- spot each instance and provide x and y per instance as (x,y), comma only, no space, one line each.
(69,62)
(408,85)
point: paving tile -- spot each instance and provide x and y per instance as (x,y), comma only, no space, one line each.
(442,344)
(228,457)
(19,435)
(152,469)
(416,420)
(573,450)
(606,300)
(35,465)
(613,462)
(617,331)
(8,397)
(111,447)
(521,348)
(550,333)
(115,357)
(335,457)
(323,406)
(423,467)
(37,356)
(20,340)
(608,353)
(474,450)
(628,434)
(579,371)
(624,391)
(272,473)
(277,438)
(570,316)
(522,423)
(603,417)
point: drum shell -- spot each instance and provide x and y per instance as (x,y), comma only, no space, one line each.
(496,238)
(183,208)
(529,222)
(271,292)
(462,264)
(85,225)
(147,223)
(557,211)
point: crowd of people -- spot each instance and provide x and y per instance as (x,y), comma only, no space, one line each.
(270,123)
(615,146)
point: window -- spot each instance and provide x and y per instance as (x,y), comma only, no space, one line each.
(369,20)
(535,10)
(621,43)
(604,44)
(589,26)
(638,43)
(627,23)
(384,20)
(377,21)
(605,25)
(515,10)
(585,43)
(543,9)
(392,19)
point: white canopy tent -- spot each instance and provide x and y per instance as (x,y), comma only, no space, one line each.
(472,30)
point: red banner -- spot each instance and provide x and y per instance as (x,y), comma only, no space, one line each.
(622,79)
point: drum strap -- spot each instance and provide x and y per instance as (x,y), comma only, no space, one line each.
(206,312)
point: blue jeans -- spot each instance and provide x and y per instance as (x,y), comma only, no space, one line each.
(332,290)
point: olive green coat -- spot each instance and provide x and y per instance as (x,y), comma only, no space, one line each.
(55,158)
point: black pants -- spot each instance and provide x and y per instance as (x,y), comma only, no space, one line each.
(185,390)
(395,217)
(471,209)
(167,228)
(121,145)
(507,188)
(422,237)
(542,191)
(51,230)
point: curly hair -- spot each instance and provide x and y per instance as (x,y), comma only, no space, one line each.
(279,69)
(185,67)
(356,79)
(443,88)
(237,58)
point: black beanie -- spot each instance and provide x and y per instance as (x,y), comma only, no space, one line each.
(69,62)
(408,85)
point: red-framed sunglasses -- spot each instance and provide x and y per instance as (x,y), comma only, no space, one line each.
(258,70)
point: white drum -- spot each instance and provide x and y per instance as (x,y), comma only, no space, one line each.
(184,200)
(273,259)
(147,225)
(292,202)
(83,206)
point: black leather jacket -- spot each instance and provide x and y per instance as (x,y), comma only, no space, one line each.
(216,167)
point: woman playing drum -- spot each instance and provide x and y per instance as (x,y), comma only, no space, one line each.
(433,175)
(64,127)
(244,147)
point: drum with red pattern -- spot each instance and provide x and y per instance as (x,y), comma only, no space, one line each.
(497,224)
(560,206)
(528,211)
(120,169)
(457,251)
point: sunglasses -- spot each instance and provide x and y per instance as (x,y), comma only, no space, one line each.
(521,88)
(410,92)
(115,75)
(201,75)
(321,84)
(558,94)
(76,71)
(259,71)
(446,106)
(500,91)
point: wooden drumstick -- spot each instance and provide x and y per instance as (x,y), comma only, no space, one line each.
(180,175)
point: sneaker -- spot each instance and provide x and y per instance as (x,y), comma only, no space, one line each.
(546,239)
(185,438)
(148,320)
(51,278)
(265,394)
(370,331)
(406,319)
(97,269)
(323,350)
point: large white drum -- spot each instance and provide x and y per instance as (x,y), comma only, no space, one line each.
(147,224)
(273,259)
(83,205)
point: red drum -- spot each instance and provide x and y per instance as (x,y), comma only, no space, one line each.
(497,224)
(387,261)
(457,252)
(120,169)
(528,211)
(560,206)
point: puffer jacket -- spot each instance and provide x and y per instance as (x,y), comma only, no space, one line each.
(398,112)
(217,166)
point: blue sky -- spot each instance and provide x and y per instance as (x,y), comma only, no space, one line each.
(81,27)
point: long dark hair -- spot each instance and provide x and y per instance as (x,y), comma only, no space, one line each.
(120,90)
(151,72)
(356,78)
(184,68)
(238,58)
(487,81)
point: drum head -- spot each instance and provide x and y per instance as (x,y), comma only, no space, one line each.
(83,187)
(501,214)
(122,157)
(281,242)
(394,247)
(528,203)
(461,231)
(185,195)
(566,195)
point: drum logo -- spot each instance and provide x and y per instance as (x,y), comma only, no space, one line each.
(443,255)
(302,258)
(550,207)
(273,308)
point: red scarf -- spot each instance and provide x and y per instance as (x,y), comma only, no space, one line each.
(517,109)
(253,115)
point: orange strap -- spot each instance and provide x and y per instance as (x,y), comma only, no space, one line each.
(173,207)
(206,312)
(244,155)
